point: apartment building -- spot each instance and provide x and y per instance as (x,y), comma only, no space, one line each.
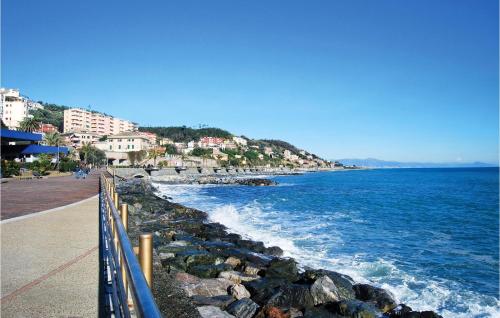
(78,120)
(78,139)
(14,107)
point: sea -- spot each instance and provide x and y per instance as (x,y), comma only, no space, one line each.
(429,236)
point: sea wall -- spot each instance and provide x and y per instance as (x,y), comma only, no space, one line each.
(203,270)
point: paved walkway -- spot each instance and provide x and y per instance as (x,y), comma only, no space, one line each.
(49,263)
(20,197)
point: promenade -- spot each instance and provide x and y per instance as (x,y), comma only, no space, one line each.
(49,259)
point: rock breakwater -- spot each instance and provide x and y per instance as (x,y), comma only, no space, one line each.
(203,270)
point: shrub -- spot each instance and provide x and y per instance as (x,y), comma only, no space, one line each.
(10,168)
(66,165)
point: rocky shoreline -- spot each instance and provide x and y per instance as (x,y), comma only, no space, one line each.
(202,270)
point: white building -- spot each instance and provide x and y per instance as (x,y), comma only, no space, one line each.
(14,107)
(287,154)
(240,140)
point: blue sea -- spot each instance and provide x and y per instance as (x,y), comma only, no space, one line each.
(430,236)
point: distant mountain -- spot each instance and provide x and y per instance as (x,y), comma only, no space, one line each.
(376,163)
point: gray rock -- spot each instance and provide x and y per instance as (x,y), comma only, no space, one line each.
(343,282)
(292,295)
(355,309)
(381,298)
(193,285)
(213,312)
(233,261)
(207,271)
(324,290)
(251,270)
(239,291)
(219,301)
(285,268)
(164,256)
(243,308)
(237,277)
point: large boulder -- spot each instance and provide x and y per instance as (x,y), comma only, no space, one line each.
(262,289)
(403,311)
(283,268)
(343,282)
(274,251)
(221,301)
(381,298)
(213,312)
(355,309)
(193,285)
(243,308)
(237,277)
(203,259)
(292,295)
(208,271)
(324,290)
(239,291)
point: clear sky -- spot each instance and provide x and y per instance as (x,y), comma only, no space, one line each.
(397,80)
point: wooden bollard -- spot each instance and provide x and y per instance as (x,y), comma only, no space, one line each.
(146,256)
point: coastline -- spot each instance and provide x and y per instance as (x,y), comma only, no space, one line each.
(213,269)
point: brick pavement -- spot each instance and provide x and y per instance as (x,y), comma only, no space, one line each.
(21,197)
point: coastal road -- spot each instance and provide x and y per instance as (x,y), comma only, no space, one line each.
(49,262)
(21,197)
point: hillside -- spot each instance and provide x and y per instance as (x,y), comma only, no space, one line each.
(51,114)
(186,134)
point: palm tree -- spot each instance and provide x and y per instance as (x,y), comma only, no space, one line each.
(29,124)
(52,139)
(86,152)
(153,154)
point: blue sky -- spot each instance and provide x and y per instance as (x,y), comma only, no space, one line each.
(397,80)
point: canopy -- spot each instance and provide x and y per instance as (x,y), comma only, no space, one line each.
(8,135)
(39,149)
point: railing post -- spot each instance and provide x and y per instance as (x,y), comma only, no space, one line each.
(146,256)
(124,217)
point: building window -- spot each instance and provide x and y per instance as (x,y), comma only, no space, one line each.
(132,146)
(110,147)
(119,146)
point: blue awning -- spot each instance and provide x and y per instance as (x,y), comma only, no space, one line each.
(16,135)
(39,149)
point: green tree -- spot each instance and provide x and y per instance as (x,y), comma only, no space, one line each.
(92,155)
(29,124)
(171,150)
(201,152)
(52,139)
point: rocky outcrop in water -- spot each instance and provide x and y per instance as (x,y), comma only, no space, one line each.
(202,270)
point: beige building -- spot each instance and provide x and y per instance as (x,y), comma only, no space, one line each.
(78,139)
(14,107)
(126,142)
(78,120)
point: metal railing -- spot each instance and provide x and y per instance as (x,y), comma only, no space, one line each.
(125,280)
